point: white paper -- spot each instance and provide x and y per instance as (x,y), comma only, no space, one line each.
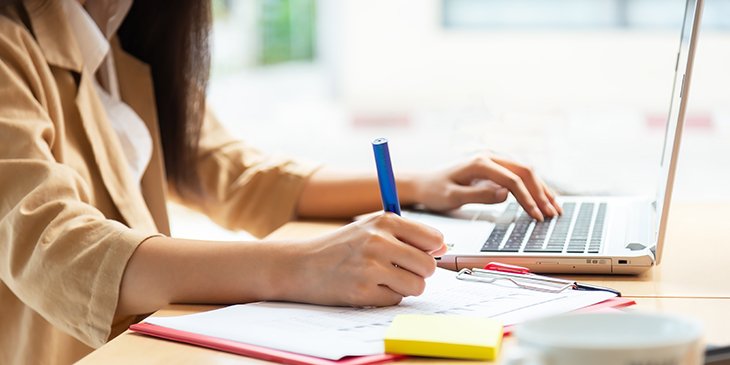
(335,332)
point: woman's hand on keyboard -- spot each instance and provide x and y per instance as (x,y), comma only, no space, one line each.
(485,178)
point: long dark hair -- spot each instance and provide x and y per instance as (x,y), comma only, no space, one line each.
(172,37)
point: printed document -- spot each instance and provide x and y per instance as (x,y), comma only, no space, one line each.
(335,332)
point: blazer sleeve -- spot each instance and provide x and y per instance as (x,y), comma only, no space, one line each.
(58,254)
(244,189)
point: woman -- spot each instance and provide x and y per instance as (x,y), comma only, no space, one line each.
(103,118)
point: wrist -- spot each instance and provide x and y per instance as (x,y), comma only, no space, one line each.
(407,185)
(296,275)
(278,281)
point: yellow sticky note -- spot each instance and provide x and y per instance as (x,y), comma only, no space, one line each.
(444,336)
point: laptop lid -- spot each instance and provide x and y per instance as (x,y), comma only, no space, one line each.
(675,122)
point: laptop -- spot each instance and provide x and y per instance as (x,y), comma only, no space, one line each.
(619,235)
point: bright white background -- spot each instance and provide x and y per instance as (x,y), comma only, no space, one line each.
(584,106)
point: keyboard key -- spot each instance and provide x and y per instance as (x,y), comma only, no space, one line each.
(585,236)
(579,236)
(496,237)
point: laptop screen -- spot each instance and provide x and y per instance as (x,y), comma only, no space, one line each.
(677,109)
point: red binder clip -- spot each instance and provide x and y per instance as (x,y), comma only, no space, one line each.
(496,266)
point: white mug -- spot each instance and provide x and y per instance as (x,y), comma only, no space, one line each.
(609,338)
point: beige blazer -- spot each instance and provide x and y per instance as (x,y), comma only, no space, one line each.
(70,214)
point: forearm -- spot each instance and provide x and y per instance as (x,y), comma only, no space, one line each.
(168,270)
(361,264)
(330,193)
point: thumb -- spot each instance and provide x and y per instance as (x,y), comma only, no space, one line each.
(482,192)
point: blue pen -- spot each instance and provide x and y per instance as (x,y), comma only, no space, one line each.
(385,176)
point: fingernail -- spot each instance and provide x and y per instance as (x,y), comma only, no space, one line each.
(445,248)
(501,193)
(537,214)
(551,209)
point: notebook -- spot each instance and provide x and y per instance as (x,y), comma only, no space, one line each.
(621,235)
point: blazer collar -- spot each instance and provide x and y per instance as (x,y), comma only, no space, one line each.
(53,34)
(146,211)
(138,92)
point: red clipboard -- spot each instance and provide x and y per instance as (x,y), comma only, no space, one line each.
(258,352)
(611,305)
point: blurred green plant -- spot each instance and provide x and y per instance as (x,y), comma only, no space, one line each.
(286,31)
(221,8)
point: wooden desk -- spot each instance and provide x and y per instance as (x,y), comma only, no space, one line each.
(692,280)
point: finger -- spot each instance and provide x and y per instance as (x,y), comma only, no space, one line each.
(363,288)
(418,235)
(491,170)
(401,242)
(411,259)
(486,194)
(550,197)
(380,296)
(553,201)
(440,252)
(532,182)
(404,282)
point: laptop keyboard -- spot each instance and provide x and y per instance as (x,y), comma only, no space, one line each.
(515,231)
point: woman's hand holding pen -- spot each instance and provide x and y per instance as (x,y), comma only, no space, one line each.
(485,178)
(376,261)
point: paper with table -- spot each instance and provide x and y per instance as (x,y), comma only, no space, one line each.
(335,332)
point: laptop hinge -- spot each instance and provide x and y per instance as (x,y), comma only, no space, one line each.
(638,226)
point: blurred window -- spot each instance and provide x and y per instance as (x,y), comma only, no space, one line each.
(568,14)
